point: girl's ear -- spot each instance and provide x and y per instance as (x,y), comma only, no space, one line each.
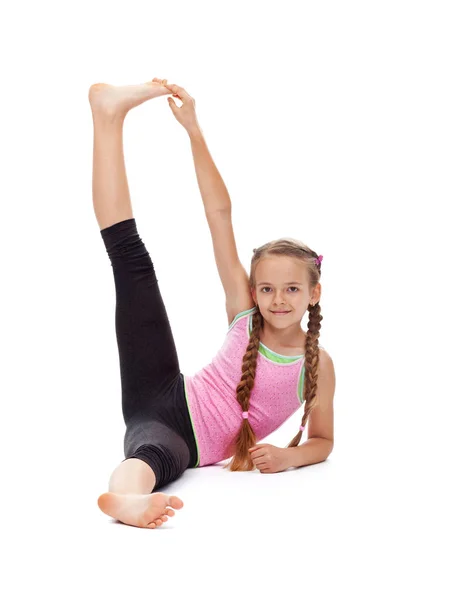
(317,294)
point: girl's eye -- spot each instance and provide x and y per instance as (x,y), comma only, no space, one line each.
(289,288)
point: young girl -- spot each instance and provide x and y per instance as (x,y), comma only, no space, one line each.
(267,367)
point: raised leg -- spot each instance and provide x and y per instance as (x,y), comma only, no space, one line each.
(111,199)
(109,106)
(129,498)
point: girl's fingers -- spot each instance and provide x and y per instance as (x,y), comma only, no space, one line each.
(177,90)
(173,90)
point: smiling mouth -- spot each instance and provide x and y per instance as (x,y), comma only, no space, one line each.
(280,312)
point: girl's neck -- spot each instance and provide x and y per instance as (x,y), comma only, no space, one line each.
(287,338)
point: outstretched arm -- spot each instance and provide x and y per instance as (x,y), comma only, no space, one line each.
(212,187)
(218,209)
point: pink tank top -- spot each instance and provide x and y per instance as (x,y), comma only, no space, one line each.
(211,393)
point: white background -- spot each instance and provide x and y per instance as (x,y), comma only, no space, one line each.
(336,123)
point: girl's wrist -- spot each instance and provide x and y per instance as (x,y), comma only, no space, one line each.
(194,131)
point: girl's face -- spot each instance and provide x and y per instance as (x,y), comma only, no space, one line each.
(281,285)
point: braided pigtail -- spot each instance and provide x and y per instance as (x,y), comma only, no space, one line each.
(311,368)
(246,437)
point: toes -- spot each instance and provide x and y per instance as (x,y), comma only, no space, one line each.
(157,522)
(175,502)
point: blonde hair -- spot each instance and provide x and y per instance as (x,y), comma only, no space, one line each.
(246,438)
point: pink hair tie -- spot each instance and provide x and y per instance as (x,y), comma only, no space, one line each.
(319,259)
(302,427)
(245,415)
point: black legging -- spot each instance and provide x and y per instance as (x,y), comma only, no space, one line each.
(158,426)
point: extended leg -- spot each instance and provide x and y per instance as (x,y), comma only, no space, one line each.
(109,106)
(111,199)
(129,498)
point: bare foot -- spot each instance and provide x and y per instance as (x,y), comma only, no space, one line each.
(117,100)
(140,510)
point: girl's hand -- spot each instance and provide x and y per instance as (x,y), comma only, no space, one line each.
(269,459)
(185,114)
